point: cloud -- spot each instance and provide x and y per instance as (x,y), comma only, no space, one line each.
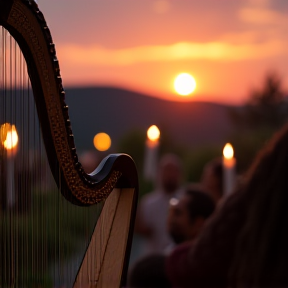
(161,6)
(261,16)
(260,12)
(215,51)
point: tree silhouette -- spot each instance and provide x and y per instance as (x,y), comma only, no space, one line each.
(265,111)
(266,108)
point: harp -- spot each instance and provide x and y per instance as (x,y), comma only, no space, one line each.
(73,231)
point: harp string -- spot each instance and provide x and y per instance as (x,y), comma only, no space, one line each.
(43,237)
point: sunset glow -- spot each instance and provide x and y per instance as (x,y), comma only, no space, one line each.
(247,40)
(184,84)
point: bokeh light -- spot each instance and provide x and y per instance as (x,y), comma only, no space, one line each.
(228,151)
(9,136)
(153,133)
(102,141)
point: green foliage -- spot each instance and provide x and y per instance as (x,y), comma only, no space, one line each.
(196,159)
(247,144)
(266,107)
(193,158)
(133,143)
(265,111)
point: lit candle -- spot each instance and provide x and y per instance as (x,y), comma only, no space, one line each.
(229,164)
(151,153)
(10,144)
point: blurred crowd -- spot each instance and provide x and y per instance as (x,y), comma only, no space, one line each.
(194,236)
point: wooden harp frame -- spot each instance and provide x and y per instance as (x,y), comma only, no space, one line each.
(117,172)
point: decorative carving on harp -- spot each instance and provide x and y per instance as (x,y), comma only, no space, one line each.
(41,228)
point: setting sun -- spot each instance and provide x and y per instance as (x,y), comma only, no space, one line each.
(184,84)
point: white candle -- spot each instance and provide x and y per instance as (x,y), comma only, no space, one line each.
(229,173)
(10,144)
(151,153)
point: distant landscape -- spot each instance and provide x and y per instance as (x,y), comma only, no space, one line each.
(118,112)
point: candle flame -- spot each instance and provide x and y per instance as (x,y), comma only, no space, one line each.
(228,151)
(10,135)
(153,133)
(3,131)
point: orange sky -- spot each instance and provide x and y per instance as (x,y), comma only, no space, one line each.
(228,46)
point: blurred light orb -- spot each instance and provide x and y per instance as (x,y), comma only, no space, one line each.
(153,133)
(174,201)
(228,151)
(102,141)
(184,84)
(10,136)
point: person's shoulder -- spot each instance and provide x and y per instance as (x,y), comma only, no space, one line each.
(151,197)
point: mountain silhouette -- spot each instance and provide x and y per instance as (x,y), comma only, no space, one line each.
(118,111)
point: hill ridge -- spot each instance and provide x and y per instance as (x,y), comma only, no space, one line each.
(117,111)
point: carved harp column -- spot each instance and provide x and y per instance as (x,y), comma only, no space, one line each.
(114,181)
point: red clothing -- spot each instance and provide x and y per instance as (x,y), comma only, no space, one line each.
(206,262)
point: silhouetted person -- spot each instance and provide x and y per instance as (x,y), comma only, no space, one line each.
(153,209)
(244,243)
(149,272)
(212,178)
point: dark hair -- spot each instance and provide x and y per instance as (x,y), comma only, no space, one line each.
(200,204)
(149,272)
(217,168)
(262,251)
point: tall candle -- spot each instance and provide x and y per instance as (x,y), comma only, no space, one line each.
(10,144)
(229,172)
(151,153)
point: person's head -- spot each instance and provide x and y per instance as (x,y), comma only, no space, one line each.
(170,173)
(149,272)
(212,178)
(89,160)
(188,214)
